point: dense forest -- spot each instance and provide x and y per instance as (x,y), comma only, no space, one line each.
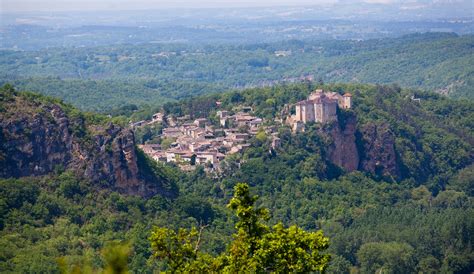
(395,221)
(104,78)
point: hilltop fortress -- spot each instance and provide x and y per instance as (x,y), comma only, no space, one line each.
(321,106)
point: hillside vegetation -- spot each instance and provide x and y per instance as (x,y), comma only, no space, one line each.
(104,78)
(373,221)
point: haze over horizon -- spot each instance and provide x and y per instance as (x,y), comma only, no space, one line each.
(456,7)
(31,24)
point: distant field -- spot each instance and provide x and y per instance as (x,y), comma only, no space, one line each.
(103,78)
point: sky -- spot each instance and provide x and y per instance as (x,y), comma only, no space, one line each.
(98,5)
(88,5)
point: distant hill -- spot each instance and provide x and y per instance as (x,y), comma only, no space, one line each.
(104,78)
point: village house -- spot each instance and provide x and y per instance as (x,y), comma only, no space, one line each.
(159,156)
(171,120)
(179,156)
(222,113)
(183,118)
(171,132)
(282,53)
(138,124)
(254,131)
(201,122)
(150,148)
(240,137)
(247,109)
(209,157)
(276,142)
(198,142)
(243,120)
(418,100)
(238,148)
(240,119)
(255,123)
(158,117)
(199,146)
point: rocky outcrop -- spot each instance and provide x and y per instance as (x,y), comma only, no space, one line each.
(343,149)
(38,137)
(112,158)
(379,157)
(34,140)
(369,148)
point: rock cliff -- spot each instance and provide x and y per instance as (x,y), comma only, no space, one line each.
(379,157)
(369,147)
(38,136)
(343,150)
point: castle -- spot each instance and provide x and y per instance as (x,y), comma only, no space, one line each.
(321,107)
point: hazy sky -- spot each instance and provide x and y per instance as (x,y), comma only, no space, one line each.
(91,5)
(62,5)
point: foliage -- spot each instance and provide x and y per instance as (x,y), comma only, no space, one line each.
(256,247)
(179,249)
(370,220)
(157,173)
(386,257)
(106,79)
(116,258)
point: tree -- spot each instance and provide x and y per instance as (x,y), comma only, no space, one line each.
(116,258)
(166,142)
(256,246)
(391,257)
(261,136)
(179,249)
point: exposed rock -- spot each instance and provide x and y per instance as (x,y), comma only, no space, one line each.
(370,148)
(378,145)
(343,149)
(38,137)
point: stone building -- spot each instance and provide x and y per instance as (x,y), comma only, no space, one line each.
(320,107)
(347,100)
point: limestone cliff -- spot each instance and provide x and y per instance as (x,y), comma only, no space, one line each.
(38,135)
(369,147)
(342,150)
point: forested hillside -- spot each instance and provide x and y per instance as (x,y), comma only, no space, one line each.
(104,78)
(383,215)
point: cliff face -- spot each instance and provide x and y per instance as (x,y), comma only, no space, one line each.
(33,140)
(343,150)
(37,138)
(369,147)
(378,145)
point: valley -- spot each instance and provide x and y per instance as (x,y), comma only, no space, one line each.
(236,137)
(402,150)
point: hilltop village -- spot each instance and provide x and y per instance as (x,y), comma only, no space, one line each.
(199,142)
(188,142)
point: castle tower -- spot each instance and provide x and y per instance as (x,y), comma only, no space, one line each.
(304,111)
(316,94)
(299,111)
(329,108)
(309,112)
(347,100)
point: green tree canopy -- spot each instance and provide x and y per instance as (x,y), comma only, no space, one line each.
(256,246)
